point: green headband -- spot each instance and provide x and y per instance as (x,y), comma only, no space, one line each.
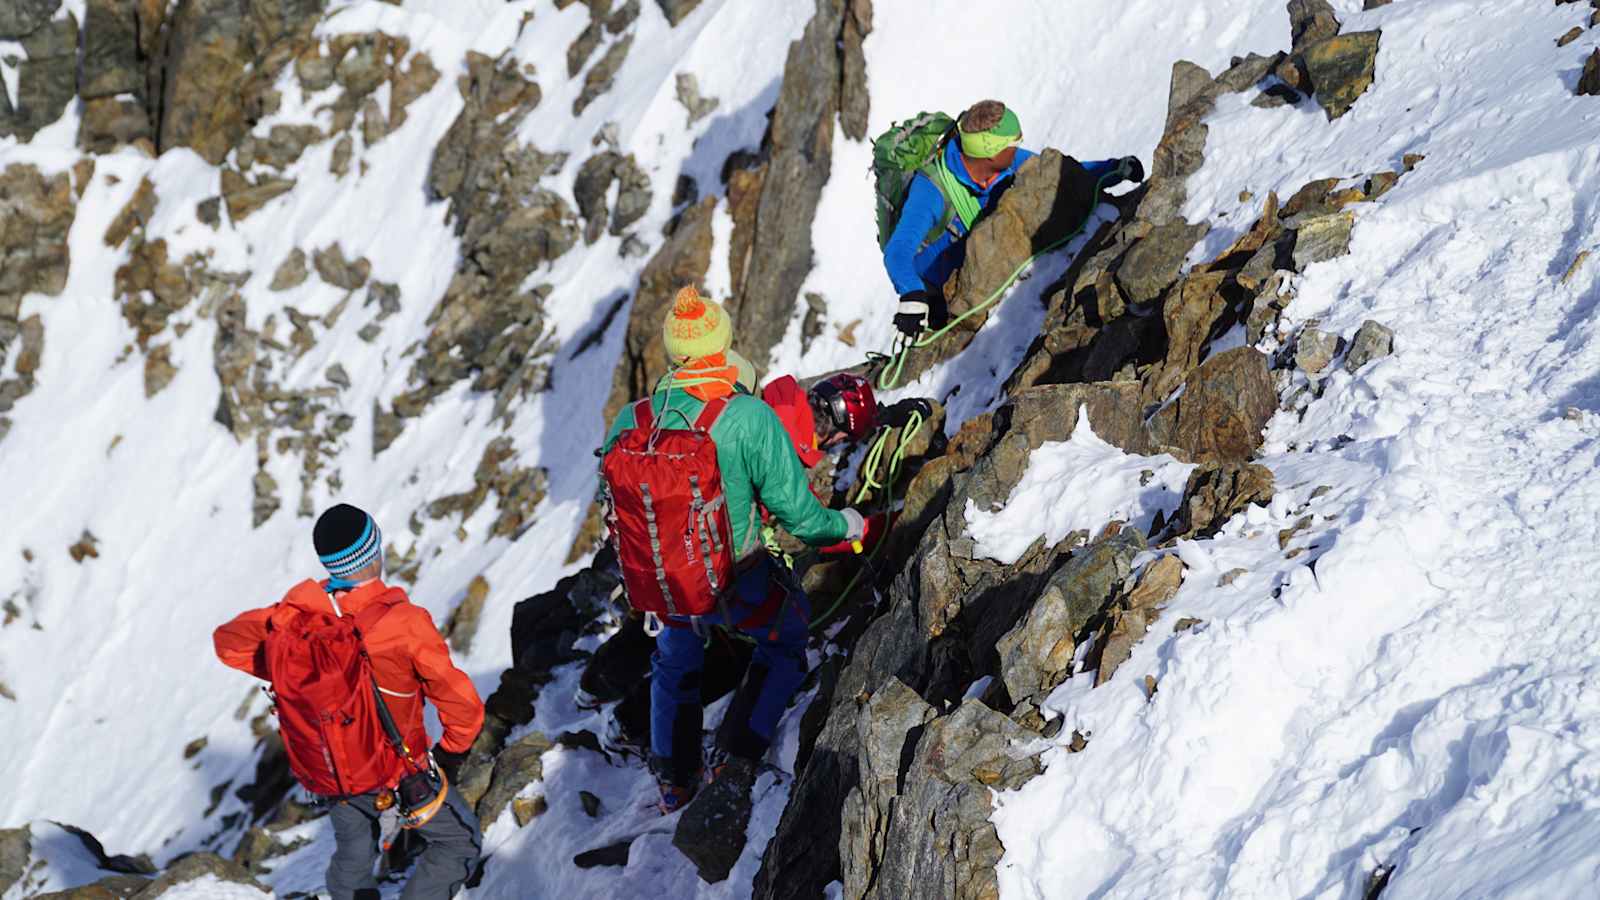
(989,144)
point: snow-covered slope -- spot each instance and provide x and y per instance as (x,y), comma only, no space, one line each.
(1418,691)
(1413,690)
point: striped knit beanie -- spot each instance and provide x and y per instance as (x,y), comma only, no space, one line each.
(347,541)
(695,327)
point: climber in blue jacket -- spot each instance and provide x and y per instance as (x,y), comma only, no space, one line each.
(966,180)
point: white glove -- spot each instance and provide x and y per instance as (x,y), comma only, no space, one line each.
(855,526)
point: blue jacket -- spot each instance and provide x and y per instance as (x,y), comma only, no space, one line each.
(913,267)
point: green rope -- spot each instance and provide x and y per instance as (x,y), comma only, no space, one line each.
(902,346)
(868,467)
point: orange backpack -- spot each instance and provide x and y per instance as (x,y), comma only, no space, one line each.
(327,700)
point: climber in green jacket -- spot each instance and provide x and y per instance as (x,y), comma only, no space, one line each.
(758,465)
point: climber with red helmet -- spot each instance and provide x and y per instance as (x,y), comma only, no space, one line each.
(837,410)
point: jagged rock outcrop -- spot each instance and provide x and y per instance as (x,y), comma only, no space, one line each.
(47,80)
(23,17)
(1225,404)
(683,259)
(677,10)
(594,181)
(1036,655)
(1215,492)
(1127,621)
(824,79)
(486,326)
(943,620)
(222,55)
(36,214)
(15,847)
(518,490)
(1373,340)
(1341,69)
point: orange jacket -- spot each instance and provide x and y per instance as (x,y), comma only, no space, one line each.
(409,658)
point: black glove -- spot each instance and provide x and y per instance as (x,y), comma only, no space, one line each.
(448,763)
(899,415)
(1130,169)
(920,311)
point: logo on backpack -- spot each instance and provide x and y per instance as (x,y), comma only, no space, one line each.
(668,516)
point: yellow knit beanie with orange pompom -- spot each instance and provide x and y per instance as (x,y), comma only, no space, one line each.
(695,327)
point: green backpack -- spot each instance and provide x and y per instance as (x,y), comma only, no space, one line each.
(916,145)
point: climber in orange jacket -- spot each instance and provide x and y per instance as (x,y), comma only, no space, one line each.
(410,664)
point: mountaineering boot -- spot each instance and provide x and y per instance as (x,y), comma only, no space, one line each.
(673,797)
(712,831)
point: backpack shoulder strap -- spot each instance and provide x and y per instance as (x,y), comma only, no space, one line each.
(710,413)
(643,413)
(958,201)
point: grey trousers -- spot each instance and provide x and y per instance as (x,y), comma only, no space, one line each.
(452,852)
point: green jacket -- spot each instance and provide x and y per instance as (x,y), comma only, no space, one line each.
(758,465)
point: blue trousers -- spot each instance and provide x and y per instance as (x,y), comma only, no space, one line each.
(777,667)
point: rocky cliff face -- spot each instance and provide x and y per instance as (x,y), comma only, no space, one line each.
(928,702)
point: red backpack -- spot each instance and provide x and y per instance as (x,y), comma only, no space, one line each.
(668,517)
(327,702)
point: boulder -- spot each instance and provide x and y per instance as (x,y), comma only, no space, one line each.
(593,185)
(887,729)
(1322,238)
(47,80)
(1589,81)
(209,53)
(1181,150)
(1153,263)
(342,273)
(1373,340)
(111,64)
(462,626)
(291,273)
(603,74)
(1036,655)
(1314,350)
(158,370)
(1049,200)
(677,10)
(952,849)
(854,99)
(711,831)
(515,767)
(698,107)
(244,196)
(1189,314)
(1311,21)
(21,18)
(1132,618)
(1341,69)
(15,849)
(1225,404)
(193,867)
(112,122)
(1215,492)
(583,47)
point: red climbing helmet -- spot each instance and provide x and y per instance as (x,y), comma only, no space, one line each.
(846,403)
